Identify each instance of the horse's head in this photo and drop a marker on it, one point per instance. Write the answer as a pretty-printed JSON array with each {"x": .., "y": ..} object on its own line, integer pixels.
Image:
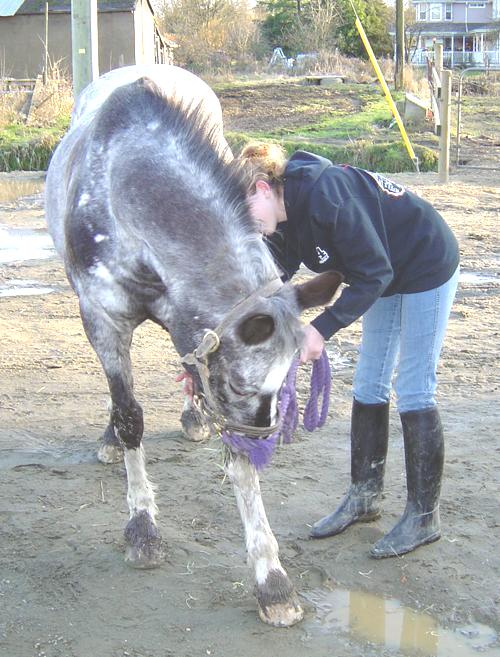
[{"x": 246, "y": 369}]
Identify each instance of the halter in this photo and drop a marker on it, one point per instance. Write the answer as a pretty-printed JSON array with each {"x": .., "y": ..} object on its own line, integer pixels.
[{"x": 209, "y": 344}]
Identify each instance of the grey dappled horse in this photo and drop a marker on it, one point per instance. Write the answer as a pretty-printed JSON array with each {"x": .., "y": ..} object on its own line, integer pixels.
[{"x": 151, "y": 221}]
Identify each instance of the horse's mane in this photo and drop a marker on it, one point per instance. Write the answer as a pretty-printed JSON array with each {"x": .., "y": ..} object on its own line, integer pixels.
[{"x": 142, "y": 102}]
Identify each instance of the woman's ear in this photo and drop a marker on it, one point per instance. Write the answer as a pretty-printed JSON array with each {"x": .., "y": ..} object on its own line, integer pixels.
[
  {"x": 263, "y": 187},
  {"x": 256, "y": 329}
]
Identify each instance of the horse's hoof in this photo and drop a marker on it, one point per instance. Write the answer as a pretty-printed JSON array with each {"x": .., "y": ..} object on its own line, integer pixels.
[
  {"x": 278, "y": 602},
  {"x": 144, "y": 557},
  {"x": 194, "y": 427},
  {"x": 144, "y": 543},
  {"x": 282, "y": 614},
  {"x": 108, "y": 454}
]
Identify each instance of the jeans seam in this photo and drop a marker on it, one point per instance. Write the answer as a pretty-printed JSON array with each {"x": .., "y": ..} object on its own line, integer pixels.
[{"x": 396, "y": 308}]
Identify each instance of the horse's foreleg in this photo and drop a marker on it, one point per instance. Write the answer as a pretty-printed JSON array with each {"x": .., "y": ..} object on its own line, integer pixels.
[
  {"x": 144, "y": 549},
  {"x": 194, "y": 426},
  {"x": 276, "y": 596},
  {"x": 112, "y": 345},
  {"x": 110, "y": 448}
]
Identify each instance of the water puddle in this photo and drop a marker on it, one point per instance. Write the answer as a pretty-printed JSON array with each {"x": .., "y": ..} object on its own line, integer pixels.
[
  {"x": 337, "y": 361},
  {"x": 472, "y": 278},
  {"x": 18, "y": 244},
  {"x": 23, "y": 288},
  {"x": 48, "y": 456},
  {"x": 13, "y": 188},
  {"x": 387, "y": 623}
]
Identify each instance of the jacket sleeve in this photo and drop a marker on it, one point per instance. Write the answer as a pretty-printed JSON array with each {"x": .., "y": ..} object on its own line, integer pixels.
[{"x": 365, "y": 263}]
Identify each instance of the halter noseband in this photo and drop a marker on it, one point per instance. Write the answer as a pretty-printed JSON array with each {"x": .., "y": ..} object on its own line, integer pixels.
[{"x": 211, "y": 343}]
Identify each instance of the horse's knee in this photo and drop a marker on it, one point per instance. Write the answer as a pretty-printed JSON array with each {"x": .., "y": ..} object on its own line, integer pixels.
[
  {"x": 110, "y": 448},
  {"x": 129, "y": 424}
]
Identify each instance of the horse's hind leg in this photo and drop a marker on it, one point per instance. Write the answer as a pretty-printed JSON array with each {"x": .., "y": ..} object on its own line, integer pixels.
[
  {"x": 112, "y": 345},
  {"x": 110, "y": 448}
]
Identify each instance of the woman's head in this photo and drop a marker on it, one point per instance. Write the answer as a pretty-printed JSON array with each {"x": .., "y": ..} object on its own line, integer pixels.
[{"x": 264, "y": 166}]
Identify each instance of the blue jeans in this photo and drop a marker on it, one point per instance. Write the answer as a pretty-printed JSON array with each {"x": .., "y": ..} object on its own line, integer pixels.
[{"x": 411, "y": 326}]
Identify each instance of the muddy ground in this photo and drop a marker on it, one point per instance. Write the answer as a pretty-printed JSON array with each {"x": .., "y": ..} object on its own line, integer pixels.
[{"x": 65, "y": 590}]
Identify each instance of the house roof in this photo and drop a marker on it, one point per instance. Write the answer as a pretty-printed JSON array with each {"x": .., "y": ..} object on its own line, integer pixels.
[
  {"x": 448, "y": 28},
  {"x": 9, "y": 7},
  {"x": 64, "y": 6}
]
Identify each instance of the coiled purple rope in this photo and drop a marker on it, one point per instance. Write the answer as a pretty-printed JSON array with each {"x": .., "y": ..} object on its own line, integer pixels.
[{"x": 260, "y": 451}]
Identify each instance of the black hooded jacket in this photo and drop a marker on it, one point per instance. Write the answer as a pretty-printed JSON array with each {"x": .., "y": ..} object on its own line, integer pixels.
[{"x": 383, "y": 239}]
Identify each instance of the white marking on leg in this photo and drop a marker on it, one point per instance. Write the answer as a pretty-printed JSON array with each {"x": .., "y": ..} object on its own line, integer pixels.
[
  {"x": 262, "y": 547},
  {"x": 140, "y": 495}
]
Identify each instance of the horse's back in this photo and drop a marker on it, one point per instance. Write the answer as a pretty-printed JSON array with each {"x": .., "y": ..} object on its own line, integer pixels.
[{"x": 176, "y": 84}]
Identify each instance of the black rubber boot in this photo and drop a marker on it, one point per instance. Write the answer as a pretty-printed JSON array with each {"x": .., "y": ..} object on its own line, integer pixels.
[
  {"x": 424, "y": 456},
  {"x": 369, "y": 437}
]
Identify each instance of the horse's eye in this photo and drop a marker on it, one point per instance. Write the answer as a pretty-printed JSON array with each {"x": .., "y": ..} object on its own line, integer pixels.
[{"x": 249, "y": 392}]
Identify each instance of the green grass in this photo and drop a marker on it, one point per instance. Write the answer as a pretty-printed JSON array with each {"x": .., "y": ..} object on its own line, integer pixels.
[
  {"x": 25, "y": 148},
  {"x": 372, "y": 115},
  {"x": 385, "y": 157}
]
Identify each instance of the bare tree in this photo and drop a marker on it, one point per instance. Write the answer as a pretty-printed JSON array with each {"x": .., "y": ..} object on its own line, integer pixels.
[{"x": 209, "y": 31}]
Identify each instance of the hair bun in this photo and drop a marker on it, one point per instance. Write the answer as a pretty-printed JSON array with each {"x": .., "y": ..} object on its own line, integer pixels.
[{"x": 266, "y": 159}]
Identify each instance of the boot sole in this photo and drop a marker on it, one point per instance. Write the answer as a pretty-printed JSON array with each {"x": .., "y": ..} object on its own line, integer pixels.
[{"x": 386, "y": 555}]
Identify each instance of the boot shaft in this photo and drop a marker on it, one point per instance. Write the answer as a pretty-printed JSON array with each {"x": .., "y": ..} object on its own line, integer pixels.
[
  {"x": 424, "y": 457},
  {"x": 369, "y": 440}
]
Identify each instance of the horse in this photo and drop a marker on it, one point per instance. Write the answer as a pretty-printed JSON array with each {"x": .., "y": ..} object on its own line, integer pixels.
[{"x": 150, "y": 218}]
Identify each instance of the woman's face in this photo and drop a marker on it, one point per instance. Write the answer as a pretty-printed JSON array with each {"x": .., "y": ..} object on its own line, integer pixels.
[{"x": 266, "y": 207}]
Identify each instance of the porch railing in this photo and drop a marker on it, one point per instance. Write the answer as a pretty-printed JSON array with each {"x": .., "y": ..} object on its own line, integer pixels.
[{"x": 452, "y": 58}]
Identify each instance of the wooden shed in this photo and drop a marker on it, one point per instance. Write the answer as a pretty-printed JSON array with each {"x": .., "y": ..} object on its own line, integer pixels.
[{"x": 128, "y": 33}]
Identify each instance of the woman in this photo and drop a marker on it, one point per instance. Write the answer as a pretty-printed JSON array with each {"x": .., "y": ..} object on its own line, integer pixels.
[{"x": 400, "y": 262}]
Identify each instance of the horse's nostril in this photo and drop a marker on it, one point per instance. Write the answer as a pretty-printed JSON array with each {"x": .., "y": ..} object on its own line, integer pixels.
[{"x": 263, "y": 417}]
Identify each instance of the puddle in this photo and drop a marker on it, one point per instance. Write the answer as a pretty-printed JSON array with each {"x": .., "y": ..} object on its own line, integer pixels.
[
  {"x": 387, "y": 623},
  {"x": 14, "y": 188},
  {"x": 337, "y": 361},
  {"x": 48, "y": 456},
  {"x": 22, "y": 288},
  {"x": 17, "y": 244},
  {"x": 472, "y": 278}
]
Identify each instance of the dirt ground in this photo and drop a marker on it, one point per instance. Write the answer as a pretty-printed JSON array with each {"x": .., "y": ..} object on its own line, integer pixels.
[{"x": 65, "y": 590}]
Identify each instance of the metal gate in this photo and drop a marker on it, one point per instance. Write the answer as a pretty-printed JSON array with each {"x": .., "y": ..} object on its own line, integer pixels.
[{"x": 473, "y": 150}]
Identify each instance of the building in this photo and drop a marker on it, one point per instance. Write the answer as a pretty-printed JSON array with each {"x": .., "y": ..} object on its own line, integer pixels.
[
  {"x": 128, "y": 33},
  {"x": 468, "y": 30}
]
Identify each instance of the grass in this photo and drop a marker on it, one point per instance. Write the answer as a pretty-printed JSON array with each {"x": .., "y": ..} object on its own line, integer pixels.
[
  {"x": 26, "y": 148},
  {"x": 351, "y": 124}
]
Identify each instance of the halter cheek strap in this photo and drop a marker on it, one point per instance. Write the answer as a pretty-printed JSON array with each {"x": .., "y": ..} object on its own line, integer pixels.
[{"x": 211, "y": 343}]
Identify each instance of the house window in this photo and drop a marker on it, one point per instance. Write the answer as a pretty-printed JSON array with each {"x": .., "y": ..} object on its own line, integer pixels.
[
  {"x": 448, "y": 14},
  {"x": 476, "y": 5},
  {"x": 447, "y": 44},
  {"x": 422, "y": 11},
  {"x": 435, "y": 13}
]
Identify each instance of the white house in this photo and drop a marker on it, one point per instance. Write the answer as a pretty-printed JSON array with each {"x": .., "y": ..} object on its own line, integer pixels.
[{"x": 468, "y": 30}]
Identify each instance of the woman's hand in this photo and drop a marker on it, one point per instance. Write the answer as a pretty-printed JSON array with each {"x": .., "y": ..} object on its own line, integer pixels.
[{"x": 312, "y": 346}]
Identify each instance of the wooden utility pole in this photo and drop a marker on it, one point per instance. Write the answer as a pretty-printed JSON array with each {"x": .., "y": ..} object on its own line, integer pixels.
[
  {"x": 84, "y": 43},
  {"x": 400, "y": 46},
  {"x": 46, "y": 65}
]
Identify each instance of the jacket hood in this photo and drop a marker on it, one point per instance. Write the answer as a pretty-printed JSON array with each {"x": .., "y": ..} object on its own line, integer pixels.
[{"x": 302, "y": 171}]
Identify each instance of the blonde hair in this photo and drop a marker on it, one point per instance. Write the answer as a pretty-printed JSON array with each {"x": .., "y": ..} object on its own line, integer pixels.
[{"x": 263, "y": 161}]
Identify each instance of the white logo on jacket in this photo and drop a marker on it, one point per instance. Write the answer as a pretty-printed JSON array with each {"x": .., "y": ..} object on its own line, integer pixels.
[
  {"x": 386, "y": 185},
  {"x": 322, "y": 255}
]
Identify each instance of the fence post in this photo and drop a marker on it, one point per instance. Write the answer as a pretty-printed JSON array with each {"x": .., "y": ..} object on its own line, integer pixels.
[
  {"x": 444, "y": 138},
  {"x": 438, "y": 58}
]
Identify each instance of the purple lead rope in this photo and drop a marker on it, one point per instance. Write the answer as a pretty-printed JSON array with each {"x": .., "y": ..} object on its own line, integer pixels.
[{"x": 260, "y": 451}]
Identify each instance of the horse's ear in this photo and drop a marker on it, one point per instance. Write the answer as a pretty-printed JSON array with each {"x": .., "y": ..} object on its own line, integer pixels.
[
  {"x": 256, "y": 329},
  {"x": 319, "y": 290}
]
